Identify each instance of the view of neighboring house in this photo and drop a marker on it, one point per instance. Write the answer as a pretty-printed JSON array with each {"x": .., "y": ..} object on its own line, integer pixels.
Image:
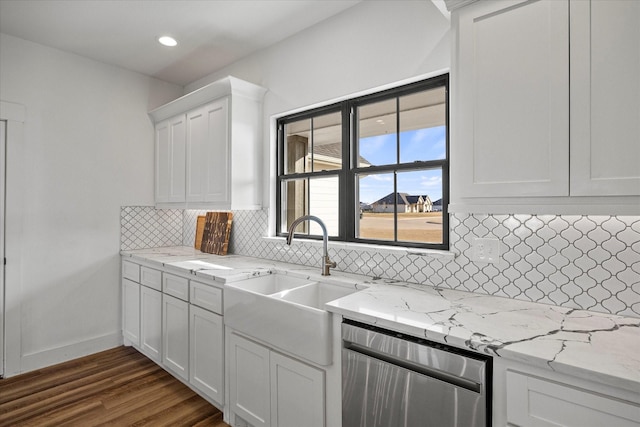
[
  {"x": 437, "y": 206},
  {"x": 406, "y": 203}
]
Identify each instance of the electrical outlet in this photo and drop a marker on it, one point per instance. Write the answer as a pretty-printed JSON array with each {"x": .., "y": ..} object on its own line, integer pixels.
[{"x": 486, "y": 249}]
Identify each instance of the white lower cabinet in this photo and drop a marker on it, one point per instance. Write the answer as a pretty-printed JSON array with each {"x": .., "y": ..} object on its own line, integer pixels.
[
  {"x": 534, "y": 401},
  {"x": 131, "y": 312},
  {"x": 297, "y": 393},
  {"x": 175, "y": 336},
  {"x": 270, "y": 389},
  {"x": 528, "y": 396},
  {"x": 206, "y": 353},
  {"x": 151, "y": 323},
  {"x": 176, "y": 322},
  {"x": 249, "y": 381}
]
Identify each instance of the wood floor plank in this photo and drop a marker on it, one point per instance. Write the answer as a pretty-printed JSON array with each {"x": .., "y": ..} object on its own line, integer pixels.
[{"x": 117, "y": 387}]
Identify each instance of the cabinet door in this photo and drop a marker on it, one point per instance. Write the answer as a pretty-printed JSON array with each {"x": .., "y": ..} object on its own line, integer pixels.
[
  {"x": 535, "y": 402},
  {"x": 208, "y": 153},
  {"x": 170, "y": 160},
  {"x": 131, "y": 312},
  {"x": 510, "y": 124},
  {"x": 206, "y": 353},
  {"x": 297, "y": 393},
  {"x": 151, "y": 323},
  {"x": 605, "y": 98},
  {"x": 175, "y": 336},
  {"x": 249, "y": 381}
]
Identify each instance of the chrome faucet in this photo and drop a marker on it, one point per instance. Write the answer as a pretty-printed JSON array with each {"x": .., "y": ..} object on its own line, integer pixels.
[{"x": 326, "y": 262}]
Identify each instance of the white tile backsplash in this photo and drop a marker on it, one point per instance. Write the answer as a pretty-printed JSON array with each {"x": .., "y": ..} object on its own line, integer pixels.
[{"x": 587, "y": 262}]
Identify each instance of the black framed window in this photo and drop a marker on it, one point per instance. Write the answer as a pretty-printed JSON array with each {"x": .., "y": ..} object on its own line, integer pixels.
[{"x": 375, "y": 168}]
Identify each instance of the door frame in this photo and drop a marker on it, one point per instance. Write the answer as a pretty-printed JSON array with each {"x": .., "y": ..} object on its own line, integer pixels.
[{"x": 13, "y": 116}]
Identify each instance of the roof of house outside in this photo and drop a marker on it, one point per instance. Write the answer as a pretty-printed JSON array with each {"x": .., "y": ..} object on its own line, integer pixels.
[
  {"x": 401, "y": 198},
  {"x": 334, "y": 150}
]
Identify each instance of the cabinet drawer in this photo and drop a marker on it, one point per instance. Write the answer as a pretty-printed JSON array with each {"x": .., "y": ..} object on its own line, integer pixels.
[
  {"x": 175, "y": 286},
  {"x": 533, "y": 401},
  {"x": 151, "y": 278},
  {"x": 131, "y": 271},
  {"x": 206, "y": 296}
]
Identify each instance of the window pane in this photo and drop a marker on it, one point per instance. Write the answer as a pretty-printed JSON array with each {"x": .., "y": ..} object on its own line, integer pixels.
[
  {"x": 377, "y": 133},
  {"x": 418, "y": 220},
  {"x": 323, "y": 203},
  {"x": 294, "y": 203},
  {"x": 376, "y": 219},
  {"x": 423, "y": 126},
  {"x": 327, "y": 142},
  {"x": 297, "y": 145},
  {"x": 320, "y": 200}
]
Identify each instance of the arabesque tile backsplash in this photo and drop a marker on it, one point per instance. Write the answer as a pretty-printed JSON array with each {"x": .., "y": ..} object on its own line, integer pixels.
[{"x": 587, "y": 262}]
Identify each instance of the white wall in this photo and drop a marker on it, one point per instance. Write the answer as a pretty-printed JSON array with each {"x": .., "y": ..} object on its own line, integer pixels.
[
  {"x": 87, "y": 149},
  {"x": 372, "y": 44}
]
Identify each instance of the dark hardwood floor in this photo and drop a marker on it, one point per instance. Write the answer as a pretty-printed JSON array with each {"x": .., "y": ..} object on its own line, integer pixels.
[{"x": 117, "y": 387}]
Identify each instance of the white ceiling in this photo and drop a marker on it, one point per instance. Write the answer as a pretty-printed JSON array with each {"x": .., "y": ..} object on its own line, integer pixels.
[{"x": 211, "y": 33}]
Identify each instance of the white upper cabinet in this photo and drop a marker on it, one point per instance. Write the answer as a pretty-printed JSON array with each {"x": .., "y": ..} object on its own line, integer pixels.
[
  {"x": 170, "y": 160},
  {"x": 208, "y": 153},
  {"x": 510, "y": 130},
  {"x": 546, "y": 107},
  {"x": 605, "y": 98},
  {"x": 208, "y": 150}
]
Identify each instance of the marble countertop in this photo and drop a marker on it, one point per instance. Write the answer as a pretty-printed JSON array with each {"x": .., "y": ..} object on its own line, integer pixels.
[{"x": 590, "y": 345}]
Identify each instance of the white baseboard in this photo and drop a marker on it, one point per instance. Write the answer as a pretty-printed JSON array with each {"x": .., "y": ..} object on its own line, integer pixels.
[{"x": 42, "y": 359}]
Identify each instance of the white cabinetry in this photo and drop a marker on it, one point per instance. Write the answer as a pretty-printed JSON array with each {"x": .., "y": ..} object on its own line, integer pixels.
[
  {"x": 533, "y": 401},
  {"x": 526, "y": 396},
  {"x": 131, "y": 312},
  {"x": 175, "y": 336},
  {"x": 151, "y": 313},
  {"x": 540, "y": 125},
  {"x": 206, "y": 341},
  {"x": 605, "y": 98},
  {"x": 151, "y": 323},
  {"x": 269, "y": 389},
  {"x": 297, "y": 393},
  {"x": 208, "y": 150},
  {"x": 177, "y": 323},
  {"x": 511, "y": 127},
  {"x": 249, "y": 385},
  {"x": 208, "y": 154},
  {"x": 170, "y": 160}
]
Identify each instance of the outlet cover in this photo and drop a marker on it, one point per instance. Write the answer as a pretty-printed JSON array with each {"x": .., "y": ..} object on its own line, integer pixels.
[{"x": 486, "y": 249}]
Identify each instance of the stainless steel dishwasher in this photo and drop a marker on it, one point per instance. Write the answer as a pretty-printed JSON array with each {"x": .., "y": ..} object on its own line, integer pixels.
[{"x": 392, "y": 380}]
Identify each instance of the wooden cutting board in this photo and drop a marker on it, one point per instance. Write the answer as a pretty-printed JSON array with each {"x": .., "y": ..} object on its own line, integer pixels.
[
  {"x": 199, "y": 231},
  {"x": 217, "y": 229}
]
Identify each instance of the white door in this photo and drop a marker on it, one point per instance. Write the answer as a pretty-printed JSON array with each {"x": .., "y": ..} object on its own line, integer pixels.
[
  {"x": 170, "y": 160},
  {"x": 175, "y": 336},
  {"x": 206, "y": 355},
  {"x": 249, "y": 381},
  {"x": 208, "y": 153},
  {"x": 605, "y": 98},
  {"x": 511, "y": 136},
  {"x": 151, "y": 323},
  {"x": 297, "y": 393},
  {"x": 131, "y": 312},
  {"x": 3, "y": 131}
]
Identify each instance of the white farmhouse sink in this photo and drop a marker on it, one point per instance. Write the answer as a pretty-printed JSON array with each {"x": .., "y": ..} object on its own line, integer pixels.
[
  {"x": 285, "y": 312},
  {"x": 314, "y": 295},
  {"x": 271, "y": 284}
]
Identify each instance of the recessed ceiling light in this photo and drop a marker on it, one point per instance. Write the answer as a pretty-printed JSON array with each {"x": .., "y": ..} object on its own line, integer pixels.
[{"x": 167, "y": 41}]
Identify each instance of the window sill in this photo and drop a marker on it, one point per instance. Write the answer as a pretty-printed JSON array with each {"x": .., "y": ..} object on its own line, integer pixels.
[{"x": 396, "y": 250}]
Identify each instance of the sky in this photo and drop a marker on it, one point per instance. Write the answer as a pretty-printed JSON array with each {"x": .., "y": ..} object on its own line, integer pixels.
[{"x": 422, "y": 144}]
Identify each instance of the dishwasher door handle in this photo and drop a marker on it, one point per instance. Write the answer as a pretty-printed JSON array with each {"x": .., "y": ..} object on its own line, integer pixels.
[{"x": 414, "y": 367}]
